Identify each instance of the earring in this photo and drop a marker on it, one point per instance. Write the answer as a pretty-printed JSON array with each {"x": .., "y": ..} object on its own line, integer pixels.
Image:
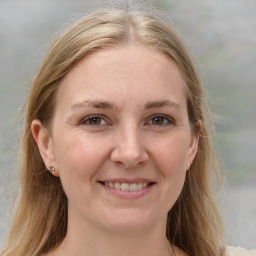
[
  {"x": 51, "y": 168},
  {"x": 188, "y": 167}
]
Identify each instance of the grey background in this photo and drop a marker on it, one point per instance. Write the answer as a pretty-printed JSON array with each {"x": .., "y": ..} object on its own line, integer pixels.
[{"x": 221, "y": 34}]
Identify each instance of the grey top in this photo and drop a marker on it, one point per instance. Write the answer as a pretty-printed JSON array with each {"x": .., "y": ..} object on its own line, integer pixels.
[{"x": 238, "y": 251}]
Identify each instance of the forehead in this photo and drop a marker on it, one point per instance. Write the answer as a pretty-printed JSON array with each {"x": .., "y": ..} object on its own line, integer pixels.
[{"x": 129, "y": 71}]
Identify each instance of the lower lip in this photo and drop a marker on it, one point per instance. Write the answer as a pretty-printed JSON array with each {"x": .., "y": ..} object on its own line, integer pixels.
[{"x": 129, "y": 194}]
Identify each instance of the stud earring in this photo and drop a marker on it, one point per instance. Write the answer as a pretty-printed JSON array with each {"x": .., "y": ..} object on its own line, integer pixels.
[{"x": 51, "y": 168}]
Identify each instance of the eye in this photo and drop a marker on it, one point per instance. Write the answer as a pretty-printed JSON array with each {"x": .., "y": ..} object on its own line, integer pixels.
[
  {"x": 160, "y": 120},
  {"x": 93, "y": 120}
]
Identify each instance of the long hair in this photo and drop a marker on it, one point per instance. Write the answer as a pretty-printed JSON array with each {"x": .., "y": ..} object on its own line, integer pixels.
[{"x": 40, "y": 219}]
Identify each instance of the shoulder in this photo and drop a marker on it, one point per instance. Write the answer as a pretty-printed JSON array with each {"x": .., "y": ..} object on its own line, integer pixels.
[{"x": 238, "y": 251}]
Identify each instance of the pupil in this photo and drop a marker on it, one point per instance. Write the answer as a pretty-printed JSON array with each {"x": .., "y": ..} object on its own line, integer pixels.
[
  {"x": 158, "y": 120},
  {"x": 94, "y": 120}
]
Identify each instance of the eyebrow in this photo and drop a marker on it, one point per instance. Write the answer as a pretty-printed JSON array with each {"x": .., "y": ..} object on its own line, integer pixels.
[
  {"x": 163, "y": 103},
  {"x": 95, "y": 104},
  {"x": 107, "y": 105}
]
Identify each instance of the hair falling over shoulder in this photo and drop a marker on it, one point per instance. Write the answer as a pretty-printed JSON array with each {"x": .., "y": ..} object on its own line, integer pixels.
[{"x": 40, "y": 218}]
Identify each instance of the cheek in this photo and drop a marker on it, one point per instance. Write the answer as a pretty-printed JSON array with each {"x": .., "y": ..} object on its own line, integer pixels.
[
  {"x": 173, "y": 174},
  {"x": 173, "y": 161},
  {"x": 170, "y": 160},
  {"x": 79, "y": 157},
  {"x": 172, "y": 166},
  {"x": 170, "y": 154},
  {"x": 78, "y": 165}
]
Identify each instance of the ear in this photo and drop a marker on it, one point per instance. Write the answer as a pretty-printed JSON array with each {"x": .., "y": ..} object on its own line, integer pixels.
[
  {"x": 193, "y": 144},
  {"x": 45, "y": 144}
]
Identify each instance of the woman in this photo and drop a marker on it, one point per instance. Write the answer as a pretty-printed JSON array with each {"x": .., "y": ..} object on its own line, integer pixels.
[{"x": 115, "y": 157}]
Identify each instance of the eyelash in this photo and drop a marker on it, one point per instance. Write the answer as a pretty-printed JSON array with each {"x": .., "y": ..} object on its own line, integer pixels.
[
  {"x": 166, "y": 120},
  {"x": 86, "y": 120}
]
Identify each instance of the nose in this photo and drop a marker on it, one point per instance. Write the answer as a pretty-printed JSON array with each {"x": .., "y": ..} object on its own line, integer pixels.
[{"x": 129, "y": 149}]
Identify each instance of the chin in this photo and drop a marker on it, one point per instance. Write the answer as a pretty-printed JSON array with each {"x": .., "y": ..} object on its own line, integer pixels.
[{"x": 130, "y": 221}]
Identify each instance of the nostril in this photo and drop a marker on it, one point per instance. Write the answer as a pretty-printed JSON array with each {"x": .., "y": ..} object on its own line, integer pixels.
[{"x": 129, "y": 155}]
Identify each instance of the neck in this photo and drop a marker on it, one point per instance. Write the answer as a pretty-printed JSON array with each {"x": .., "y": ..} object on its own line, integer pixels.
[{"x": 88, "y": 240}]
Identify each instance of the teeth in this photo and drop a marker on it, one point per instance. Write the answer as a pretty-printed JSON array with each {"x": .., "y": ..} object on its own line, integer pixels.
[
  {"x": 127, "y": 186},
  {"x": 133, "y": 187},
  {"x": 140, "y": 186},
  {"x": 124, "y": 187},
  {"x": 117, "y": 185}
]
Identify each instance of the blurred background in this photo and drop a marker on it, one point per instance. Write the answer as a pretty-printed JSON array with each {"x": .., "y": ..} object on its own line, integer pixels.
[{"x": 221, "y": 35}]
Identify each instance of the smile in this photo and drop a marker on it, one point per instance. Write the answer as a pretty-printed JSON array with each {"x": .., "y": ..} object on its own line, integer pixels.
[{"x": 127, "y": 186}]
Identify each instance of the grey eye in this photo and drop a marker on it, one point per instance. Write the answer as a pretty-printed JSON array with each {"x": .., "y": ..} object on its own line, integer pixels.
[
  {"x": 94, "y": 120},
  {"x": 160, "y": 120}
]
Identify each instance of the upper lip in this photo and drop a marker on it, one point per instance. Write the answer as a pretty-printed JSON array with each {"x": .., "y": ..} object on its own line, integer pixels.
[{"x": 127, "y": 180}]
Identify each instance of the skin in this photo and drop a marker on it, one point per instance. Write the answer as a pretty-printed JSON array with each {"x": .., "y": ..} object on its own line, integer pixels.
[{"x": 120, "y": 114}]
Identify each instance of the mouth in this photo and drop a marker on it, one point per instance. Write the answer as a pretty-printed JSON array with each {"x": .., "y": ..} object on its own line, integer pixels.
[{"x": 125, "y": 186}]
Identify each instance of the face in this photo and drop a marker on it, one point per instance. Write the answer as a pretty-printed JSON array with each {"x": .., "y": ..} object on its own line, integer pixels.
[{"x": 120, "y": 140}]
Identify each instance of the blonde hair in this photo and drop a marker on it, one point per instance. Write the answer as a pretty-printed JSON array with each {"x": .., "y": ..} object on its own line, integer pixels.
[{"x": 40, "y": 219}]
